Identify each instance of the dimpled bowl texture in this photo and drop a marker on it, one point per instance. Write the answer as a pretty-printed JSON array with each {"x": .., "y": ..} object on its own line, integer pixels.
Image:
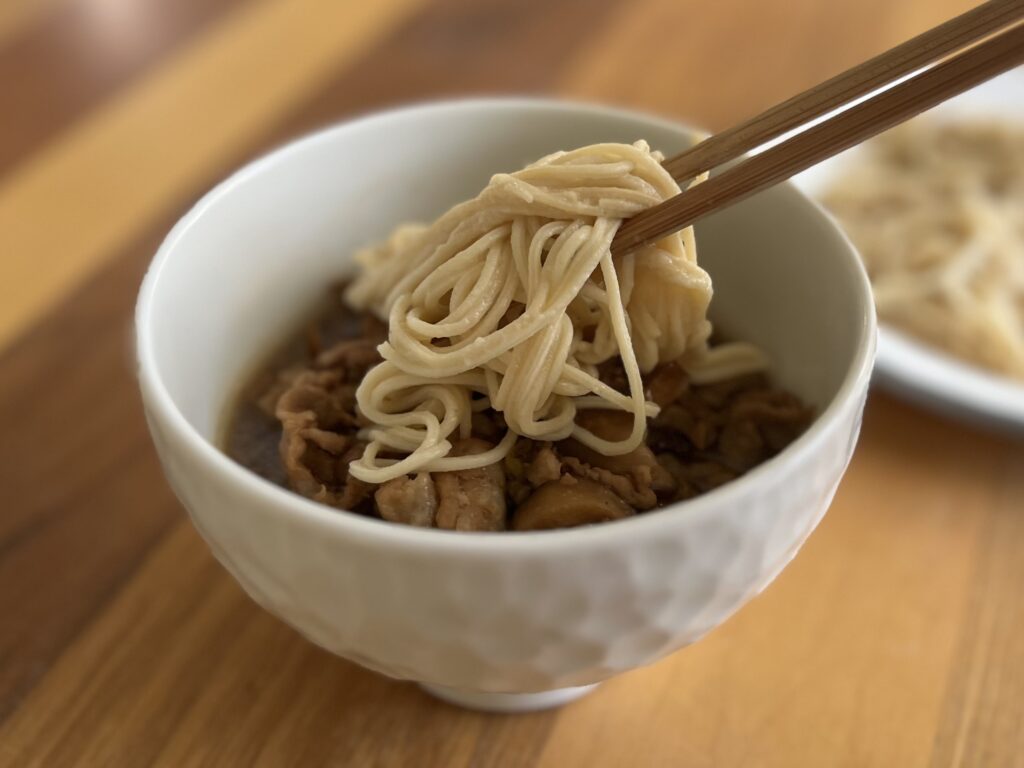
[{"x": 479, "y": 615}]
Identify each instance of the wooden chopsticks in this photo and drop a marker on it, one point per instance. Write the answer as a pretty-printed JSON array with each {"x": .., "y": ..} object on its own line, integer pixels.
[
  {"x": 883, "y": 69},
  {"x": 839, "y": 132}
]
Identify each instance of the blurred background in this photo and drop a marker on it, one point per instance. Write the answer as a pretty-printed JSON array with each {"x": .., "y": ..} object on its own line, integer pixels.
[
  {"x": 118, "y": 113},
  {"x": 894, "y": 639}
]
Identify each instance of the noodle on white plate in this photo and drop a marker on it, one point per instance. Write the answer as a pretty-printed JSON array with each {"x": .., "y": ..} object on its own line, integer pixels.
[
  {"x": 512, "y": 300},
  {"x": 937, "y": 212}
]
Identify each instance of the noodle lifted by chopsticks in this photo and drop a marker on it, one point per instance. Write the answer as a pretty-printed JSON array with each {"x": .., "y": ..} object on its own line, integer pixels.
[{"x": 511, "y": 300}]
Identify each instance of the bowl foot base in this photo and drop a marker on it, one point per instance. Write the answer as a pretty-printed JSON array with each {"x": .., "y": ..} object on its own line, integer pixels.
[{"x": 508, "y": 702}]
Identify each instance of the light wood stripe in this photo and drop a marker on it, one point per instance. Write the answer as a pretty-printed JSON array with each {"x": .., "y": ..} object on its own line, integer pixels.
[
  {"x": 818, "y": 41},
  {"x": 109, "y": 653},
  {"x": 103, "y": 184},
  {"x": 73, "y": 59}
]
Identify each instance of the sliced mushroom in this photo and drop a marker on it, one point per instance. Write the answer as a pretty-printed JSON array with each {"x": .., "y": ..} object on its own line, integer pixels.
[
  {"x": 694, "y": 424},
  {"x": 780, "y": 416},
  {"x": 639, "y": 464},
  {"x": 741, "y": 446},
  {"x": 471, "y": 499},
  {"x": 353, "y": 357},
  {"x": 567, "y": 503},
  {"x": 667, "y": 384},
  {"x": 545, "y": 467},
  {"x": 684, "y": 488},
  {"x": 635, "y": 488},
  {"x": 409, "y": 500}
]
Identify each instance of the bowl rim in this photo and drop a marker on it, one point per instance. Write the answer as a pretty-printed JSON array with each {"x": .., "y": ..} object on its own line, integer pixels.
[{"x": 383, "y": 533}]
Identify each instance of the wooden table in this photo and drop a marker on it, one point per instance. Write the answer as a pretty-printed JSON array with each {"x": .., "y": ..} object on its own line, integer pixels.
[{"x": 896, "y": 638}]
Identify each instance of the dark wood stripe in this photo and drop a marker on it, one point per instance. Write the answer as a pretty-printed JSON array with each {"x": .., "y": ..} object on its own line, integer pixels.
[
  {"x": 75, "y": 461},
  {"x": 81, "y": 510},
  {"x": 194, "y": 605},
  {"x": 461, "y": 47},
  {"x": 982, "y": 720},
  {"x": 75, "y": 57},
  {"x": 513, "y": 735}
]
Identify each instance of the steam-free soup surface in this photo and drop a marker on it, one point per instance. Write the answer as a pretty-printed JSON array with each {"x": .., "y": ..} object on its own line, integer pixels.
[{"x": 296, "y": 424}]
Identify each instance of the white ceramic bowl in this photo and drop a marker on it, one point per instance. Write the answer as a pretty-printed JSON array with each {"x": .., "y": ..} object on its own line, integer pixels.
[{"x": 477, "y": 617}]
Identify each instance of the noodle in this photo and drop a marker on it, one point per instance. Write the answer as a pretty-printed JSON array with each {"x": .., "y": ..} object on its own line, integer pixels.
[
  {"x": 937, "y": 212},
  {"x": 512, "y": 300}
]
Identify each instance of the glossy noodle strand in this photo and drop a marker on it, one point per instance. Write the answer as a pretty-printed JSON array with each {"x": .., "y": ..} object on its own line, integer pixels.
[{"x": 512, "y": 300}]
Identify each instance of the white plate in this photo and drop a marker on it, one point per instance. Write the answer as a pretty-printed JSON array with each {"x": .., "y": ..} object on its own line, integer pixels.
[{"x": 915, "y": 370}]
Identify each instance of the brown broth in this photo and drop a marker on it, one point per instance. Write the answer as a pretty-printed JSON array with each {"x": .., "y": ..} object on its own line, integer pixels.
[
  {"x": 252, "y": 435},
  {"x": 705, "y": 436}
]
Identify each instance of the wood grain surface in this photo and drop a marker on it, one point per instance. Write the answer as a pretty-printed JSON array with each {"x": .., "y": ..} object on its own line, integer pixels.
[{"x": 896, "y": 637}]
